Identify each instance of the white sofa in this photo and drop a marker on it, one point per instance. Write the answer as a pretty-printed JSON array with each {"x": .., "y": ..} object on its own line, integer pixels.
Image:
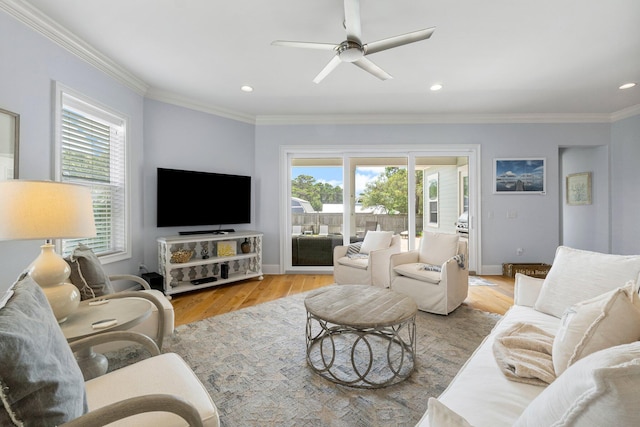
[{"x": 598, "y": 388}]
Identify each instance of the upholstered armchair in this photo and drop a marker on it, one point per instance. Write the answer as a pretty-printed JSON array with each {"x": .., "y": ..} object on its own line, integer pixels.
[
  {"x": 366, "y": 262},
  {"x": 436, "y": 275},
  {"x": 90, "y": 278},
  {"x": 42, "y": 384}
]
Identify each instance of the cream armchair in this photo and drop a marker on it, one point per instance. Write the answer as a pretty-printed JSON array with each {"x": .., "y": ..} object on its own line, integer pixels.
[
  {"x": 366, "y": 263},
  {"x": 436, "y": 275},
  {"x": 90, "y": 278},
  {"x": 42, "y": 384}
]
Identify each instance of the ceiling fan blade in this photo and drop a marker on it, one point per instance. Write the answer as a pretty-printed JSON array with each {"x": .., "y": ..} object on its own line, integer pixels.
[
  {"x": 352, "y": 20},
  {"x": 396, "y": 41},
  {"x": 372, "y": 68},
  {"x": 305, "y": 45},
  {"x": 327, "y": 69}
]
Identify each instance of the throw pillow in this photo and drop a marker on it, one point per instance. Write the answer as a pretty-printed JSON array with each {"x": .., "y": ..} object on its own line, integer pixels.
[
  {"x": 354, "y": 248},
  {"x": 438, "y": 248},
  {"x": 605, "y": 321},
  {"x": 439, "y": 415},
  {"x": 40, "y": 381},
  {"x": 577, "y": 275},
  {"x": 375, "y": 240},
  {"x": 87, "y": 273},
  {"x": 599, "y": 390}
]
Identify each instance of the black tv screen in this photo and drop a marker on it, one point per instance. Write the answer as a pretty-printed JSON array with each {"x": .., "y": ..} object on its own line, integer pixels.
[{"x": 187, "y": 198}]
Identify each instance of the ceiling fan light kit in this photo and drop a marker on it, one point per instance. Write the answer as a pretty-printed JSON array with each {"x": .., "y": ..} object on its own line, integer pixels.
[{"x": 352, "y": 50}]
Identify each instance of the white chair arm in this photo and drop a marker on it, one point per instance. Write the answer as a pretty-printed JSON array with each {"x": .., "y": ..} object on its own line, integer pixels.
[
  {"x": 139, "y": 280},
  {"x": 526, "y": 290},
  {"x": 339, "y": 252},
  {"x": 379, "y": 264},
  {"x": 137, "y": 405},
  {"x": 106, "y": 337}
]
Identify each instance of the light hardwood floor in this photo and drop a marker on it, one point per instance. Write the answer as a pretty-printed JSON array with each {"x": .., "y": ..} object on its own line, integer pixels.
[{"x": 199, "y": 304}]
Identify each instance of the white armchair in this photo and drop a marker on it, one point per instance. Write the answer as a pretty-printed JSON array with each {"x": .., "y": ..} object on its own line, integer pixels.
[
  {"x": 366, "y": 263},
  {"x": 436, "y": 275},
  {"x": 43, "y": 385},
  {"x": 90, "y": 278}
]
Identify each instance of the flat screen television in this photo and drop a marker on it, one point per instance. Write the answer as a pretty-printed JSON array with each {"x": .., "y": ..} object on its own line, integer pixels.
[{"x": 188, "y": 198}]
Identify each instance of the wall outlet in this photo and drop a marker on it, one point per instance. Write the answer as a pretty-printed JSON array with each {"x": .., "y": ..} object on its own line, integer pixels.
[{"x": 519, "y": 251}]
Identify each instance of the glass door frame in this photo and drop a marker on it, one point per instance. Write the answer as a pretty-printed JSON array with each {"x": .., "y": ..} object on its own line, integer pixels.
[{"x": 472, "y": 151}]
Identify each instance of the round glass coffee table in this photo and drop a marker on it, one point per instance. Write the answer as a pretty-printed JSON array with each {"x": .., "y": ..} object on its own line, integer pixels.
[{"x": 360, "y": 335}]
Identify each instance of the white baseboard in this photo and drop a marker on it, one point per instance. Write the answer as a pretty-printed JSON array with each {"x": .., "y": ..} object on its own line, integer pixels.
[{"x": 492, "y": 270}]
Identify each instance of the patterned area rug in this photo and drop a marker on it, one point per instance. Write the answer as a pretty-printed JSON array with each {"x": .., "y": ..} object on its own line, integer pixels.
[
  {"x": 253, "y": 362},
  {"x": 480, "y": 281}
]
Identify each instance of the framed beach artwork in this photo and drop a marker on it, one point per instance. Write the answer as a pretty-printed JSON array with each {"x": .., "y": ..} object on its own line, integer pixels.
[
  {"x": 579, "y": 189},
  {"x": 519, "y": 176}
]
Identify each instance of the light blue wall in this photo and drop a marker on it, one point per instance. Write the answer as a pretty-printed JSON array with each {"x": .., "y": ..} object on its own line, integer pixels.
[
  {"x": 29, "y": 64},
  {"x": 179, "y": 138},
  {"x": 586, "y": 226},
  {"x": 536, "y": 228},
  {"x": 625, "y": 186},
  {"x": 170, "y": 136}
]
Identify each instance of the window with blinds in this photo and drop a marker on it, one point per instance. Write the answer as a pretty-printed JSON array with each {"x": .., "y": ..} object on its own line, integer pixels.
[{"x": 92, "y": 152}]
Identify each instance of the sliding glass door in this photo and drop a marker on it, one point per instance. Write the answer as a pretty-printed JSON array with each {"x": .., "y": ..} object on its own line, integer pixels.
[{"x": 336, "y": 197}]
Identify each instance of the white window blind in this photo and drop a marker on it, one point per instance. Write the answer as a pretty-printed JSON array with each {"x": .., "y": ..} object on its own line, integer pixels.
[{"x": 92, "y": 144}]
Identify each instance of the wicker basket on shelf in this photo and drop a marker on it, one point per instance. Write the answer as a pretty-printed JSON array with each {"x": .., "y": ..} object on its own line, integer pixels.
[{"x": 181, "y": 255}]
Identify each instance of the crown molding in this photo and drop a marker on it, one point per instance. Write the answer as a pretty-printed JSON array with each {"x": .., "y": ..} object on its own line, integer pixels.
[
  {"x": 625, "y": 113},
  {"x": 182, "y": 101},
  {"x": 33, "y": 18},
  {"x": 354, "y": 119}
]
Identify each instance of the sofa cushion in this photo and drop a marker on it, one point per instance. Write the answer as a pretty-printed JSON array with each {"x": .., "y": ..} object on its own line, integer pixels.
[
  {"x": 604, "y": 321},
  {"x": 417, "y": 271},
  {"x": 440, "y": 415},
  {"x": 437, "y": 248},
  {"x": 577, "y": 275},
  {"x": 87, "y": 273},
  {"x": 375, "y": 240},
  {"x": 598, "y": 390},
  {"x": 40, "y": 381}
]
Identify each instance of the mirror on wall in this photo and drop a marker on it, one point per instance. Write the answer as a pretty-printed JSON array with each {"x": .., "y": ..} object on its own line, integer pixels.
[{"x": 9, "y": 138}]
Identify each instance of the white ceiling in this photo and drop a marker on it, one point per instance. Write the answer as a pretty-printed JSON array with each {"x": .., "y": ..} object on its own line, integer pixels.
[{"x": 495, "y": 58}]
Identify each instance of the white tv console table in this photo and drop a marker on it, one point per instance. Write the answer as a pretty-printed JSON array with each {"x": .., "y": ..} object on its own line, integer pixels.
[{"x": 206, "y": 263}]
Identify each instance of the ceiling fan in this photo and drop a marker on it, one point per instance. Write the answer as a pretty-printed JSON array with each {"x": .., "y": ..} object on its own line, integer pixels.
[{"x": 352, "y": 50}]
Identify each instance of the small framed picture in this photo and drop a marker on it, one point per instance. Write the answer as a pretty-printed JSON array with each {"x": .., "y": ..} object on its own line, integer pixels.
[
  {"x": 519, "y": 176},
  {"x": 579, "y": 189}
]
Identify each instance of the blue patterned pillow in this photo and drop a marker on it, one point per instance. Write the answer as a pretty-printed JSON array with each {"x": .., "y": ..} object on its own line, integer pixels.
[{"x": 40, "y": 381}]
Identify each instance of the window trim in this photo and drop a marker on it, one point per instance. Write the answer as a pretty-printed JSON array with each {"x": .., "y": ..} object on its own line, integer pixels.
[{"x": 103, "y": 110}]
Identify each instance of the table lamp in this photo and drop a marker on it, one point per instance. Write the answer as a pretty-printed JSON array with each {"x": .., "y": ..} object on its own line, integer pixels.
[{"x": 48, "y": 210}]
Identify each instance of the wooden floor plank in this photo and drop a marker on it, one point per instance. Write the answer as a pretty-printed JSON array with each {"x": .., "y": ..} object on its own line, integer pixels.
[{"x": 202, "y": 303}]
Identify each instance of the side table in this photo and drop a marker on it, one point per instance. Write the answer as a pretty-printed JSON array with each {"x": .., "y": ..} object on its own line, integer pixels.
[{"x": 127, "y": 313}]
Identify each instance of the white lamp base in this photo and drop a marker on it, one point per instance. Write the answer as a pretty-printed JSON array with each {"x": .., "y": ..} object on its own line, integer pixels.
[
  {"x": 63, "y": 299},
  {"x": 51, "y": 272}
]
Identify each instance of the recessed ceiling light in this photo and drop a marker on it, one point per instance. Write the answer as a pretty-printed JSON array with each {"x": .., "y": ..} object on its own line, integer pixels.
[
  {"x": 436, "y": 86},
  {"x": 627, "y": 86},
  {"x": 246, "y": 88}
]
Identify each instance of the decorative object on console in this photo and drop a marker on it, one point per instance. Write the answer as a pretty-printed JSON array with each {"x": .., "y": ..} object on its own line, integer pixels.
[
  {"x": 227, "y": 248},
  {"x": 245, "y": 246},
  {"x": 181, "y": 255},
  {"x": 48, "y": 210}
]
